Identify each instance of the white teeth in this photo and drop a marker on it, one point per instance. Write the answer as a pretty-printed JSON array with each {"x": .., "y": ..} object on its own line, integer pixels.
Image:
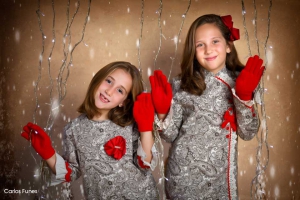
[{"x": 104, "y": 98}]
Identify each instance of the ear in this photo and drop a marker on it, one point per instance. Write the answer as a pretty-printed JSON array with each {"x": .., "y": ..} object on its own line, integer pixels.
[
  {"x": 228, "y": 47},
  {"x": 126, "y": 101}
]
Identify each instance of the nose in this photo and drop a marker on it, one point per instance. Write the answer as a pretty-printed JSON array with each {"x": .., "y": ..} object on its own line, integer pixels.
[
  {"x": 108, "y": 91},
  {"x": 208, "y": 49}
]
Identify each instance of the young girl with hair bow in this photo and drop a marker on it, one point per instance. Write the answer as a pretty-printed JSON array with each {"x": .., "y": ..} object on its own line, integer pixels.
[
  {"x": 212, "y": 105},
  {"x": 103, "y": 143}
]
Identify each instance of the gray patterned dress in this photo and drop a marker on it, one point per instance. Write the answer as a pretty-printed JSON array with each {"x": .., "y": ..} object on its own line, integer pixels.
[
  {"x": 202, "y": 161},
  {"x": 103, "y": 176}
]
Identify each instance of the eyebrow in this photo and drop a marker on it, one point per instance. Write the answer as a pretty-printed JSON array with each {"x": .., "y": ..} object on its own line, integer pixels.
[
  {"x": 121, "y": 85},
  {"x": 210, "y": 38}
]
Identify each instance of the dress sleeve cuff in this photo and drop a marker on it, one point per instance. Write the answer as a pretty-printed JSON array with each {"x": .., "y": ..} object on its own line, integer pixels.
[
  {"x": 142, "y": 154},
  {"x": 163, "y": 124},
  {"x": 61, "y": 171},
  {"x": 248, "y": 103}
]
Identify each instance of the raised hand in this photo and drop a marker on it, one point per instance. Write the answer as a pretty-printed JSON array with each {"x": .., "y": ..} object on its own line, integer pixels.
[
  {"x": 39, "y": 139},
  {"x": 249, "y": 78},
  {"x": 143, "y": 112},
  {"x": 161, "y": 92}
]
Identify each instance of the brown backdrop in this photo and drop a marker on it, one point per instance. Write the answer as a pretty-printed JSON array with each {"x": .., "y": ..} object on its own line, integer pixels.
[{"x": 112, "y": 33}]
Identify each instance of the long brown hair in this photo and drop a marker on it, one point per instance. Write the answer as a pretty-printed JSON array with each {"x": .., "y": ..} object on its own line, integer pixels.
[
  {"x": 192, "y": 77},
  {"x": 122, "y": 116}
]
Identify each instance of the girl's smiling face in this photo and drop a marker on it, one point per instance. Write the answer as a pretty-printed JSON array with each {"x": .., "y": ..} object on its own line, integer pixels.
[
  {"x": 211, "y": 47},
  {"x": 112, "y": 92}
]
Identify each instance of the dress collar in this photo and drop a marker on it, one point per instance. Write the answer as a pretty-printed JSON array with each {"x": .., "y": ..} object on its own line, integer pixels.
[{"x": 209, "y": 74}]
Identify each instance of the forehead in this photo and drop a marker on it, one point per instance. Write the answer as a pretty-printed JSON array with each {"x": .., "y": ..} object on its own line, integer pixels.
[
  {"x": 122, "y": 78},
  {"x": 208, "y": 30}
]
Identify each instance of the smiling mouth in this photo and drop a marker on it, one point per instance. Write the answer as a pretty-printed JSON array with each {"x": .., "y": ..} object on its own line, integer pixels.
[
  {"x": 103, "y": 98},
  {"x": 211, "y": 58}
]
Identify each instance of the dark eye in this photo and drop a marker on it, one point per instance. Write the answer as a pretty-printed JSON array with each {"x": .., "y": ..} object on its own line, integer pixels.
[
  {"x": 199, "y": 45},
  {"x": 120, "y": 91},
  {"x": 108, "y": 81},
  {"x": 215, "y": 41}
]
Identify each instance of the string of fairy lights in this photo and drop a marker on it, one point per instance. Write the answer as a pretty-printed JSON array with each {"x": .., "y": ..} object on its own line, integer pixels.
[
  {"x": 67, "y": 62},
  {"x": 257, "y": 190},
  {"x": 177, "y": 40},
  {"x": 159, "y": 12},
  {"x": 61, "y": 78},
  {"x": 158, "y": 141}
]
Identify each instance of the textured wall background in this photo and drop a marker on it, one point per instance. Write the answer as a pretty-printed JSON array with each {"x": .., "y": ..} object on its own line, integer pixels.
[{"x": 112, "y": 33}]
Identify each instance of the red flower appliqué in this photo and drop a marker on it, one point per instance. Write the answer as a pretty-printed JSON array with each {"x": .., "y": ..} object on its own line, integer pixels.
[
  {"x": 116, "y": 147},
  {"x": 229, "y": 117}
]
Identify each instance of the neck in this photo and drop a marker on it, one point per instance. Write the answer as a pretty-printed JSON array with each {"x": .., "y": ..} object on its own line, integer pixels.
[{"x": 100, "y": 117}]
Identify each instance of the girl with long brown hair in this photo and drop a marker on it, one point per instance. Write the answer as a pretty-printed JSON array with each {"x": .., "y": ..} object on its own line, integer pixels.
[
  {"x": 103, "y": 144},
  {"x": 212, "y": 105}
]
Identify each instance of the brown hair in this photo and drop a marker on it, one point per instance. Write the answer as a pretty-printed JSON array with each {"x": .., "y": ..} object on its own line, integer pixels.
[
  {"x": 122, "y": 116},
  {"x": 192, "y": 77}
]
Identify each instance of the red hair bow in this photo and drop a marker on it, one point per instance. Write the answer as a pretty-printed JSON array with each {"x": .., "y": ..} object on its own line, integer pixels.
[
  {"x": 116, "y": 147},
  {"x": 234, "y": 32},
  {"x": 229, "y": 118}
]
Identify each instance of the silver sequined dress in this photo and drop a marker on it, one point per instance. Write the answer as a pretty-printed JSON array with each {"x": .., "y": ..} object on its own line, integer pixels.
[
  {"x": 202, "y": 161},
  {"x": 103, "y": 176}
]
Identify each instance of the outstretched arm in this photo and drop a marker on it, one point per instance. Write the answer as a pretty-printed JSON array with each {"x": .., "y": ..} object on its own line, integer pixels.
[
  {"x": 41, "y": 142},
  {"x": 161, "y": 92}
]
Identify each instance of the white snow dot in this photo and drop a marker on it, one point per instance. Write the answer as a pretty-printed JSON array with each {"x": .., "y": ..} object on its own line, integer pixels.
[
  {"x": 70, "y": 48},
  {"x": 251, "y": 160},
  {"x": 149, "y": 71},
  {"x": 81, "y": 189},
  {"x": 126, "y": 31},
  {"x": 292, "y": 170},
  {"x": 175, "y": 39},
  {"x": 92, "y": 53},
  {"x": 276, "y": 191},
  {"x": 17, "y": 36},
  {"x": 128, "y": 10},
  {"x": 272, "y": 171},
  {"x": 277, "y": 77}
]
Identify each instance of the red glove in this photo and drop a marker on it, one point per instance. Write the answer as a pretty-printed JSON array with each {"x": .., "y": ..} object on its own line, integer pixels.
[
  {"x": 39, "y": 140},
  {"x": 249, "y": 78},
  {"x": 143, "y": 112},
  {"x": 161, "y": 92}
]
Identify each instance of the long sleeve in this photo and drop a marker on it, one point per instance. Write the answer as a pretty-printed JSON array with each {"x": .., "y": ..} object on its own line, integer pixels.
[
  {"x": 69, "y": 157},
  {"x": 247, "y": 118},
  {"x": 170, "y": 126},
  {"x": 70, "y": 151},
  {"x": 139, "y": 154},
  {"x": 61, "y": 171}
]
